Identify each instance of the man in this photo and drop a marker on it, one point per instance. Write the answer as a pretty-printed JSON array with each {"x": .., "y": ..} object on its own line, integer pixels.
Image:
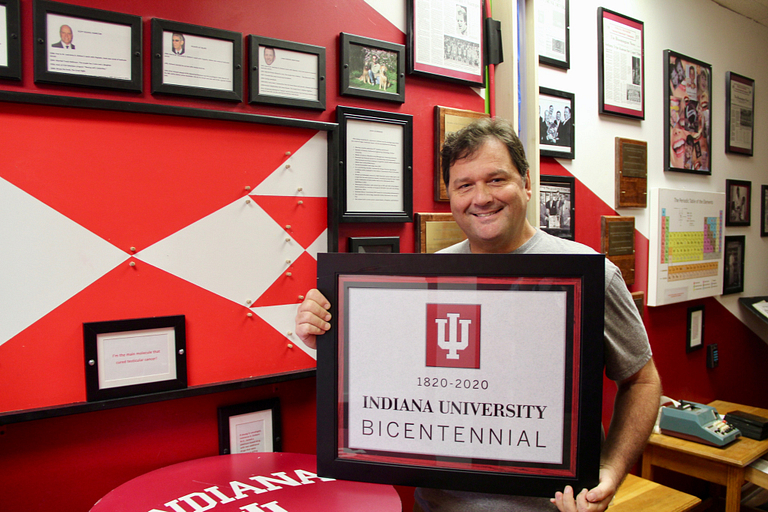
[
  {"x": 373, "y": 73},
  {"x": 178, "y": 43},
  {"x": 65, "y": 33},
  {"x": 269, "y": 55},
  {"x": 486, "y": 175},
  {"x": 564, "y": 130}
]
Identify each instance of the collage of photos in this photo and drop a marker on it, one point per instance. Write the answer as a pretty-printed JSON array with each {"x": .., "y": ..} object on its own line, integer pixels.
[{"x": 690, "y": 134}]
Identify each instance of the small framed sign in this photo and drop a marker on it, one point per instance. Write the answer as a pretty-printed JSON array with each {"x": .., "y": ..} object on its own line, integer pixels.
[
  {"x": 695, "y": 339},
  {"x": 253, "y": 427},
  {"x": 10, "y": 40},
  {"x": 379, "y": 244}
]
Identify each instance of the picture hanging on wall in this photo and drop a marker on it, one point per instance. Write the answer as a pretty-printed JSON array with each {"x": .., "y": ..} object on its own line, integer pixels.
[
  {"x": 253, "y": 427},
  {"x": 620, "y": 65},
  {"x": 739, "y": 114},
  {"x": 190, "y": 60},
  {"x": 371, "y": 68},
  {"x": 10, "y": 40},
  {"x": 557, "y": 196},
  {"x": 553, "y": 41},
  {"x": 764, "y": 210},
  {"x": 738, "y": 196},
  {"x": 695, "y": 339},
  {"x": 687, "y": 132},
  {"x": 378, "y": 244},
  {"x": 733, "y": 278},
  {"x": 557, "y": 118}
]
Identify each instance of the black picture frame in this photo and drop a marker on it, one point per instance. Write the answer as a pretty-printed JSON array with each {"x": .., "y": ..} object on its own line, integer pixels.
[
  {"x": 695, "y": 330},
  {"x": 733, "y": 268},
  {"x": 257, "y": 47},
  {"x": 558, "y": 217},
  {"x": 764, "y": 210},
  {"x": 555, "y": 34},
  {"x": 463, "y": 46},
  {"x": 350, "y": 170},
  {"x": 738, "y": 198},
  {"x": 374, "y": 244},
  {"x": 343, "y": 382},
  {"x": 621, "y": 90},
  {"x": 132, "y": 50},
  {"x": 739, "y": 114},
  {"x": 357, "y": 60},
  {"x": 557, "y": 139},
  {"x": 687, "y": 114},
  {"x": 12, "y": 69},
  {"x": 160, "y": 27},
  {"x": 266, "y": 411},
  {"x": 106, "y": 356}
]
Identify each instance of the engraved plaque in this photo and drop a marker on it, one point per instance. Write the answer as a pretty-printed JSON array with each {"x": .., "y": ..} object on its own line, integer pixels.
[
  {"x": 621, "y": 238},
  {"x": 617, "y": 242},
  {"x": 435, "y": 231},
  {"x": 631, "y": 173}
]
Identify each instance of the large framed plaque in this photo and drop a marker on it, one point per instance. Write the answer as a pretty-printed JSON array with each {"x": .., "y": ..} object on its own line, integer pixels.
[{"x": 462, "y": 371}]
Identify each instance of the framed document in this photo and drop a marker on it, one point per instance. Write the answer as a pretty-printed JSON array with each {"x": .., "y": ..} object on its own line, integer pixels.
[
  {"x": 377, "y": 244},
  {"x": 432, "y": 374},
  {"x": 738, "y": 197},
  {"x": 190, "y": 60},
  {"x": 739, "y": 114},
  {"x": 447, "y": 121},
  {"x": 371, "y": 68},
  {"x": 620, "y": 65},
  {"x": 733, "y": 278},
  {"x": 557, "y": 206},
  {"x": 134, "y": 357},
  {"x": 82, "y": 46},
  {"x": 557, "y": 118},
  {"x": 286, "y": 73},
  {"x": 687, "y": 108},
  {"x": 376, "y": 183},
  {"x": 446, "y": 40},
  {"x": 253, "y": 427},
  {"x": 553, "y": 42},
  {"x": 695, "y": 339},
  {"x": 10, "y": 40}
]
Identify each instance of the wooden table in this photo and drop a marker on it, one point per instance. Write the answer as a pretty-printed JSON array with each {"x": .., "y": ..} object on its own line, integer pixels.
[
  {"x": 726, "y": 466},
  {"x": 638, "y": 493}
]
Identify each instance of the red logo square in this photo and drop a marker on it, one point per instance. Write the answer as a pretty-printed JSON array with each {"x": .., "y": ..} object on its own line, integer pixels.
[{"x": 453, "y": 335}]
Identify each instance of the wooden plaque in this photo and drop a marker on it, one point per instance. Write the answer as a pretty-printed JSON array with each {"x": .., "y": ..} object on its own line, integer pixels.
[
  {"x": 617, "y": 242},
  {"x": 447, "y": 121},
  {"x": 435, "y": 231},
  {"x": 631, "y": 173}
]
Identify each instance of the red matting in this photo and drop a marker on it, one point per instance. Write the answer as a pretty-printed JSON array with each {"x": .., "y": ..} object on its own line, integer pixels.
[{"x": 253, "y": 482}]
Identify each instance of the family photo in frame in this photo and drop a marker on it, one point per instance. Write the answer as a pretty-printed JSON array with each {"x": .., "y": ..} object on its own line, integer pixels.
[{"x": 372, "y": 69}]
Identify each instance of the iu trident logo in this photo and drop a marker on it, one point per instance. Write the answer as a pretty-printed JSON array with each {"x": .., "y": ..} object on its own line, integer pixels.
[{"x": 453, "y": 335}]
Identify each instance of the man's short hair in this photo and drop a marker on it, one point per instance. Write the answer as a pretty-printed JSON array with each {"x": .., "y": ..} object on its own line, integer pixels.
[{"x": 467, "y": 141}]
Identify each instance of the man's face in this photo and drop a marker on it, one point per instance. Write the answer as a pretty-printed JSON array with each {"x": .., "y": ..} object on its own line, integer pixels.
[
  {"x": 558, "y": 116},
  {"x": 567, "y": 113},
  {"x": 461, "y": 19},
  {"x": 176, "y": 43},
  {"x": 488, "y": 199},
  {"x": 269, "y": 55},
  {"x": 66, "y": 34}
]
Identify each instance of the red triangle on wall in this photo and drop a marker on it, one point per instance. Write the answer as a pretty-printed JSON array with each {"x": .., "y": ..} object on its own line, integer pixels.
[
  {"x": 287, "y": 288},
  {"x": 306, "y": 216}
]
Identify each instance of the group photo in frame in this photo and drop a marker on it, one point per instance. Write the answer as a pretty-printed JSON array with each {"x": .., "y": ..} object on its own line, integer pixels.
[
  {"x": 88, "y": 47},
  {"x": 687, "y": 114},
  {"x": 374, "y": 244},
  {"x": 553, "y": 39},
  {"x": 447, "y": 121},
  {"x": 252, "y": 427},
  {"x": 557, "y": 118},
  {"x": 286, "y": 73},
  {"x": 372, "y": 68},
  {"x": 10, "y": 40},
  {"x": 739, "y": 114},
  {"x": 733, "y": 270},
  {"x": 451, "y": 40},
  {"x": 557, "y": 199},
  {"x": 620, "y": 65},
  {"x": 190, "y": 60},
  {"x": 738, "y": 197}
]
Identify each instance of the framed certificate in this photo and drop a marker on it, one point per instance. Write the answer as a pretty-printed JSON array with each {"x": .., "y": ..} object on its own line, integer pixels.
[
  {"x": 10, "y": 40},
  {"x": 253, "y": 427},
  {"x": 433, "y": 375}
]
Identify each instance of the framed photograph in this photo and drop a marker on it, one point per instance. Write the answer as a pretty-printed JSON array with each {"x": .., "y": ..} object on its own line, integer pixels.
[
  {"x": 738, "y": 197},
  {"x": 447, "y": 121},
  {"x": 734, "y": 264},
  {"x": 371, "y": 68},
  {"x": 376, "y": 182},
  {"x": 553, "y": 42},
  {"x": 134, "y": 357},
  {"x": 557, "y": 200},
  {"x": 375, "y": 244},
  {"x": 436, "y": 231},
  {"x": 418, "y": 394},
  {"x": 190, "y": 60},
  {"x": 620, "y": 65},
  {"x": 764, "y": 210},
  {"x": 286, "y": 73},
  {"x": 695, "y": 339},
  {"x": 82, "y": 46},
  {"x": 451, "y": 42},
  {"x": 557, "y": 118},
  {"x": 253, "y": 427},
  {"x": 10, "y": 40},
  {"x": 739, "y": 114},
  {"x": 687, "y": 113}
]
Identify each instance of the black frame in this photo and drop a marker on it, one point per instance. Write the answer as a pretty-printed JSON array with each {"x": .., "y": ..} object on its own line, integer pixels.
[
  {"x": 492, "y": 271},
  {"x": 256, "y": 42},
  {"x": 689, "y": 347},
  {"x": 562, "y": 64},
  {"x": 731, "y": 77},
  {"x": 225, "y": 412},
  {"x": 602, "y": 14},
  {"x": 374, "y": 244},
  {"x": 571, "y": 99},
  {"x": 732, "y": 217},
  {"x": 41, "y": 9},
  {"x": 560, "y": 182},
  {"x": 441, "y": 73},
  {"x": 764, "y": 210},
  {"x": 345, "y": 114},
  {"x": 91, "y": 330},
  {"x": 13, "y": 40},
  {"x": 159, "y": 26},
  {"x": 346, "y": 88},
  {"x": 682, "y": 128},
  {"x": 734, "y": 244}
]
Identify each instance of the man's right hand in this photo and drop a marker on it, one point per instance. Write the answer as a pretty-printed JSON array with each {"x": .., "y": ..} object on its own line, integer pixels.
[{"x": 312, "y": 318}]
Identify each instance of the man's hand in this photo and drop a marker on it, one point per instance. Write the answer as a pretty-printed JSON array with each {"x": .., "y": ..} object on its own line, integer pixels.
[
  {"x": 312, "y": 317},
  {"x": 595, "y": 500}
]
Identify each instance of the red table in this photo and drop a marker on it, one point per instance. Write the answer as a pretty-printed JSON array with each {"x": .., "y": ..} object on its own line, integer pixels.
[{"x": 250, "y": 482}]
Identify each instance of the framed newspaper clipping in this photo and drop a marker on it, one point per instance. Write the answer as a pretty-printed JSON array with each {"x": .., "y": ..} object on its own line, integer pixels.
[{"x": 620, "y": 65}]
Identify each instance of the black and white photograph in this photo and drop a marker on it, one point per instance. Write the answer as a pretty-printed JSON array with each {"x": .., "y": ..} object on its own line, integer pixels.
[
  {"x": 738, "y": 195},
  {"x": 733, "y": 275},
  {"x": 556, "y": 123},
  {"x": 556, "y": 205}
]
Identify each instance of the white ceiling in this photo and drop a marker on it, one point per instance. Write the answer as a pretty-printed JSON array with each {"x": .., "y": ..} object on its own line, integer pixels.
[{"x": 756, "y": 10}]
